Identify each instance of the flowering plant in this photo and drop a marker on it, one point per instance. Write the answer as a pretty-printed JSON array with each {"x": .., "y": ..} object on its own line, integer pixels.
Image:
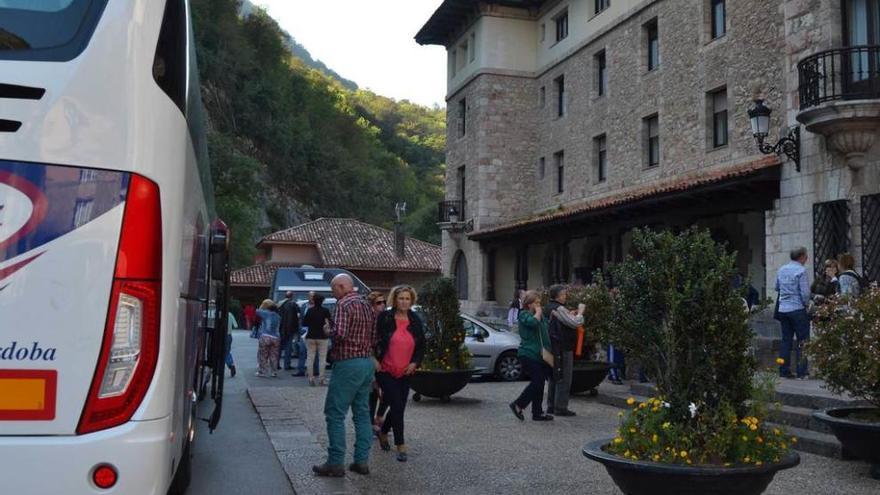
[
  {"x": 675, "y": 310},
  {"x": 650, "y": 432},
  {"x": 444, "y": 331},
  {"x": 845, "y": 350}
]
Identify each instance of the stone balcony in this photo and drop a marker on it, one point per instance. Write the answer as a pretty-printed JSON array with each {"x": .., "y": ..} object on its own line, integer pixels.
[
  {"x": 839, "y": 93},
  {"x": 451, "y": 216}
]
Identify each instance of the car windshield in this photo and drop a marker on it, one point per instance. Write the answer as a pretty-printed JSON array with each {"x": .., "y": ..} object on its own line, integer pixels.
[
  {"x": 495, "y": 325},
  {"x": 46, "y": 29}
]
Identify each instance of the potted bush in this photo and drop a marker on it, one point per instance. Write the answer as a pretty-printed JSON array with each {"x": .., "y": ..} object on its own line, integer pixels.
[
  {"x": 588, "y": 372},
  {"x": 446, "y": 368},
  {"x": 845, "y": 353},
  {"x": 674, "y": 309}
]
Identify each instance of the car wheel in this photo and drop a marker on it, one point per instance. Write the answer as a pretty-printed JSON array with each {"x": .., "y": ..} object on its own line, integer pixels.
[{"x": 509, "y": 367}]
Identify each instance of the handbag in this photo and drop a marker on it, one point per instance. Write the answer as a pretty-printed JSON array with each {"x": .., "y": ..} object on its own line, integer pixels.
[{"x": 546, "y": 355}]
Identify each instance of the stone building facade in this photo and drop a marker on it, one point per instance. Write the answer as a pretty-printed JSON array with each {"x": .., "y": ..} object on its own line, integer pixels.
[{"x": 571, "y": 122}]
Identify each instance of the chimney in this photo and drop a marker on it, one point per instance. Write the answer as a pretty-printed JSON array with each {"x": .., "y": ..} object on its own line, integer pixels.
[
  {"x": 399, "y": 233},
  {"x": 399, "y": 240}
]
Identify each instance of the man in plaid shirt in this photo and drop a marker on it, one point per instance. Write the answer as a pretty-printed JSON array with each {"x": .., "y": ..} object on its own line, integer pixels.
[{"x": 354, "y": 338}]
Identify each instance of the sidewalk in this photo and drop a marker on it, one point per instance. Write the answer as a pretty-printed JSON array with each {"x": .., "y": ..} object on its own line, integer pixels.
[{"x": 474, "y": 445}]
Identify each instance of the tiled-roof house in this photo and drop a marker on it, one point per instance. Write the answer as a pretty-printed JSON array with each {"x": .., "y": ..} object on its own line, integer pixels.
[{"x": 370, "y": 252}]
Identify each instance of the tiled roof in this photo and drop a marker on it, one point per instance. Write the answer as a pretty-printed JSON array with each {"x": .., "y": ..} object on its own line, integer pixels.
[
  {"x": 256, "y": 275},
  {"x": 635, "y": 194},
  {"x": 351, "y": 244}
]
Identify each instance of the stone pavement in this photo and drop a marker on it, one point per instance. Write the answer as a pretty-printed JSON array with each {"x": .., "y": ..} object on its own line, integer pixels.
[{"x": 474, "y": 445}]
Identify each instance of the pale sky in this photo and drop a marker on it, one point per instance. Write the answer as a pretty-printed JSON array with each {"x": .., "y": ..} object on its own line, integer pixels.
[{"x": 370, "y": 43}]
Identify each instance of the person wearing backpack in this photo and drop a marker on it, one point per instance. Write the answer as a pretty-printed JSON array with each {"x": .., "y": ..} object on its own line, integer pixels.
[{"x": 851, "y": 283}]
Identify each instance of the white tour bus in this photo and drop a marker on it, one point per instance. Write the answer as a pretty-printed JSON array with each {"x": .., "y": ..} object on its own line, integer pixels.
[{"x": 110, "y": 254}]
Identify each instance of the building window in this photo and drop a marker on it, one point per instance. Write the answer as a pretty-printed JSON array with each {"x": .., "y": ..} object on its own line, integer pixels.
[
  {"x": 560, "y": 96},
  {"x": 559, "y": 159},
  {"x": 541, "y": 168},
  {"x": 602, "y": 5},
  {"x": 601, "y": 73},
  {"x": 830, "y": 231},
  {"x": 473, "y": 45},
  {"x": 462, "y": 117},
  {"x": 719, "y": 18},
  {"x": 600, "y": 145},
  {"x": 561, "y": 26},
  {"x": 653, "y": 36},
  {"x": 542, "y": 97},
  {"x": 652, "y": 140},
  {"x": 719, "y": 117},
  {"x": 83, "y": 211},
  {"x": 543, "y": 32},
  {"x": 460, "y": 270},
  {"x": 453, "y": 62},
  {"x": 465, "y": 49}
]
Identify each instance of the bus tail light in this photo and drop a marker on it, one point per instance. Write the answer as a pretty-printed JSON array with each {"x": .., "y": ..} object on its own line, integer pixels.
[{"x": 130, "y": 347}]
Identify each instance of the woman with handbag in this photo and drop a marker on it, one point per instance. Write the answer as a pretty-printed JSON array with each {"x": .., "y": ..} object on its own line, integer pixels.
[
  {"x": 535, "y": 356},
  {"x": 319, "y": 322}
]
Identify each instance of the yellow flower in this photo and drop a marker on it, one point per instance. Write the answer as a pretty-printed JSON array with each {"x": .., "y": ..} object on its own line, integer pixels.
[
  {"x": 626, "y": 454},
  {"x": 630, "y": 401},
  {"x": 656, "y": 458},
  {"x": 758, "y": 463},
  {"x": 632, "y": 430},
  {"x": 780, "y": 361},
  {"x": 745, "y": 438},
  {"x": 688, "y": 461},
  {"x": 727, "y": 464},
  {"x": 759, "y": 439},
  {"x": 618, "y": 440},
  {"x": 747, "y": 459},
  {"x": 620, "y": 414},
  {"x": 793, "y": 439},
  {"x": 667, "y": 425},
  {"x": 684, "y": 453},
  {"x": 654, "y": 438},
  {"x": 776, "y": 431},
  {"x": 753, "y": 427},
  {"x": 643, "y": 405}
]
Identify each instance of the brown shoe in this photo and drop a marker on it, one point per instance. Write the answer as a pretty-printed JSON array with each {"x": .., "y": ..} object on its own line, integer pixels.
[
  {"x": 332, "y": 470},
  {"x": 359, "y": 468}
]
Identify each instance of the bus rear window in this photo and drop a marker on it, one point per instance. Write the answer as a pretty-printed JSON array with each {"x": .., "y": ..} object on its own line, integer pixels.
[{"x": 51, "y": 30}]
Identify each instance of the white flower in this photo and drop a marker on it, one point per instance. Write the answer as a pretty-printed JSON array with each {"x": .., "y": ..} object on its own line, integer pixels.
[
  {"x": 693, "y": 409},
  {"x": 665, "y": 404}
]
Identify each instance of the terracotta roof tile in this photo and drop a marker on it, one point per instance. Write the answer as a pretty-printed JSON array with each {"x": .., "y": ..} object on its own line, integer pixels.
[
  {"x": 351, "y": 244},
  {"x": 256, "y": 275},
  {"x": 637, "y": 193}
]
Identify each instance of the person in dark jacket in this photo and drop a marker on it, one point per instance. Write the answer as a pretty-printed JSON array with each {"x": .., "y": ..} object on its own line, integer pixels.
[
  {"x": 289, "y": 312},
  {"x": 400, "y": 349},
  {"x": 317, "y": 320},
  {"x": 563, "y": 339}
]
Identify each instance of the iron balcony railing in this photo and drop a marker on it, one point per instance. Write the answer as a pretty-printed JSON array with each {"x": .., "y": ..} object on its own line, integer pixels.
[
  {"x": 451, "y": 211},
  {"x": 850, "y": 73}
]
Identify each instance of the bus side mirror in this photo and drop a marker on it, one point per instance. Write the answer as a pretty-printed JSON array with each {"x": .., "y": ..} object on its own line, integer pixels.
[{"x": 219, "y": 250}]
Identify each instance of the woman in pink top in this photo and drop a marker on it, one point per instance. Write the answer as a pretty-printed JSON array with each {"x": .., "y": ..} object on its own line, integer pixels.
[{"x": 399, "y": 351}]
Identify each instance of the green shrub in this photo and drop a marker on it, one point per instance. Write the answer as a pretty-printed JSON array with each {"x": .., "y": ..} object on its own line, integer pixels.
[
  {"x": 444, "y": 332},
  {"x": 675, "y": 311},
  {"x": 845, "y": 349}
]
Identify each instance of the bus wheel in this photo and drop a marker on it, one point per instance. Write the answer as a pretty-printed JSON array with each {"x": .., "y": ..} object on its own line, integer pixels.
[{"x": 184, "y": 472}]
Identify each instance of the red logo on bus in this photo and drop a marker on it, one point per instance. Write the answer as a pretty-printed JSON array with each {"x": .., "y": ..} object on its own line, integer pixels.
[{"x": 22, "y": 207}]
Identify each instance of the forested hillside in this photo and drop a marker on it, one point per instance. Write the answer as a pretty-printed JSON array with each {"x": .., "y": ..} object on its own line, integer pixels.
[{"x": 289, "y": 143}]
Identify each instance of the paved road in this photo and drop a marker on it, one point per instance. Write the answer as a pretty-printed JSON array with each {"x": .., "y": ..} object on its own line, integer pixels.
[{"x": 238, "y": 457}]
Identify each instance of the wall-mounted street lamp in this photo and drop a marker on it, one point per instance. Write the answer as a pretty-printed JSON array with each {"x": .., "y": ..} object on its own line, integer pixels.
[{"x": 789, "y": 145}]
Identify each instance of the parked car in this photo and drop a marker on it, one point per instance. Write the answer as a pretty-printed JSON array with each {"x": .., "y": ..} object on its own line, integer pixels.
[{"x": 493, "y": 347}]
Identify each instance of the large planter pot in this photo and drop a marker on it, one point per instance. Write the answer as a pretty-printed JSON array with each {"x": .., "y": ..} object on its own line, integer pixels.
[
  {"x": 643, "y": 477},
  {"x": 587, "y": 375},
  {"x": 860, "y": 438},
  {"x": 440, "y": 384}
]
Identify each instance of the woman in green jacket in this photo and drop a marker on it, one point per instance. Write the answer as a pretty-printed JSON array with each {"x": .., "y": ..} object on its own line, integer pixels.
[{"x": 533, "y": 332}]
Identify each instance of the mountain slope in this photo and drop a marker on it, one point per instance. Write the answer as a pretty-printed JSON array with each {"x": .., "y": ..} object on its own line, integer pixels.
[{"x": 290, "y": 142}]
